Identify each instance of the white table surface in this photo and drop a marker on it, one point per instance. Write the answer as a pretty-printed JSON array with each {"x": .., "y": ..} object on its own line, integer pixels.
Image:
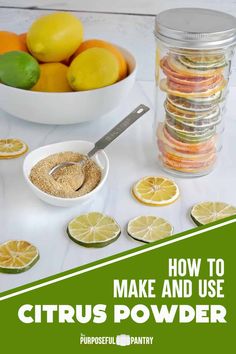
[{"x": 132, "y": 156}]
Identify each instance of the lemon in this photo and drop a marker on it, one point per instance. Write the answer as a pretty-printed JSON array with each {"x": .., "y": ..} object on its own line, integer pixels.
[
  {"x": 53, "y": 78},
  {"x": 98, "y": 43},
  {"x": 156, "y": 191},
  {"x": 17, "y": 256},
  {"x": 149, "y": 228},
  {"x": 55, "y": 37},
  {"x": 93, "y": 230},
  {"x": 19, "y": 69},
  {"x": 12, "y": 148},
  {"x": 207, "y": 212},
  {"x": 93, "y": 68}
]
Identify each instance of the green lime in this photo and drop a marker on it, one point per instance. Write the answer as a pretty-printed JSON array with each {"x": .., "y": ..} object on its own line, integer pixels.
[
  {"x": 93, "y": 230},
  {"x": 19, "y": 69},
  {"x": 17, "y": 256},
  {"x": 207, "y": 212}
]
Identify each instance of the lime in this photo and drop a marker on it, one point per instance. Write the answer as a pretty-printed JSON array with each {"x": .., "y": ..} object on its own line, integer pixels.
[
  {"x": 92, "y": 69},
  {"x": 19, "y": 69},
  {"x": 207, "y": 212},
  {"x": 93, "y": 230},
  {"x": 55, "y": 37},
  {"x": 149, "y": 228},
  {"x": 156, "y": 191},
  {"x": 17, "y": 256}
]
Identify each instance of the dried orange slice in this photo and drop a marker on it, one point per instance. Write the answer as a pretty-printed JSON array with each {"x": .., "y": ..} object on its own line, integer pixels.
[
  {"x": 156, "y": 191},
  {"x": 17, "y": 256},
  {"x": 12, "y": 148}
]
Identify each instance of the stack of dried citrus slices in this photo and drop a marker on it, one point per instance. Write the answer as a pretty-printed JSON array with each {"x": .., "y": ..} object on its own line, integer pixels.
[{"x": 194, "y": 85}]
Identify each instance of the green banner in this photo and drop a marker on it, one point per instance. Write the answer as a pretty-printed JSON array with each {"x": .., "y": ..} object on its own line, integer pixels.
[{"x": 174, "y": 296}]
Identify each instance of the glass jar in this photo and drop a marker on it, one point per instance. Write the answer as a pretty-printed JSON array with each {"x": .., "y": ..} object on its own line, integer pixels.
[{"x": 193, "y": 60}]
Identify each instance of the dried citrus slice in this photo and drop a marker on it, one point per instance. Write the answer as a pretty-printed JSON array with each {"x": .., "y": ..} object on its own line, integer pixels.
[
  {"x": 206, "y": 212},
  {"x": 149, "y": 228},
  {"x": 93, "y": 230},
  {"x": 170, "y": 88},
  {"x": 12, "y": 148},
  {"x": 156, "y": 191},
  {"x": 17, "y": 256},
  {"x": 175, "y": 64}
]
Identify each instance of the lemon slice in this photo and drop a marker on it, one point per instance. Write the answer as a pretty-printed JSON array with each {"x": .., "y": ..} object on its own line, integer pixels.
[
  {"x": 12, "y": 148},
  {"x": 156, "y": 191},
  {"x": 17, "y": 256},
  {"x": 207, "y": 212},
  {"x": 149, "y": 228},
  {"x": 93, "y": 230}
]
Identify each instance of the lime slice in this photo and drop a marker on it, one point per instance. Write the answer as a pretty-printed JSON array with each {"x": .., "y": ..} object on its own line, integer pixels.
[
  {"x": 93, "y": 230},
  {"x": 207, "y": 212},
  {"x": 12, "y": 148},
  {"x": 149, "y": 228},
  {"x": 192, "y": 125},
  {"x": 156, "y": 191},
  {"x": 17, "y": 256}
]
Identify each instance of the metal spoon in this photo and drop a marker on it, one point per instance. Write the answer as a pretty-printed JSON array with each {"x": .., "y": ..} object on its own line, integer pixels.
[{"x": 106, "y": 139}]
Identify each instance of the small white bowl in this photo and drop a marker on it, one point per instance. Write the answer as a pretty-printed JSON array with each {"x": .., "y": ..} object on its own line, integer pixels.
[
  {"x": 80, "y": 146},
  {"x": 67, "y": 107}
]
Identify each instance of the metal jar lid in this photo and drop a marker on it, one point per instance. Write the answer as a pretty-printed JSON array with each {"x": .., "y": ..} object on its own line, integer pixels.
[{"x": 196, "y": 28}]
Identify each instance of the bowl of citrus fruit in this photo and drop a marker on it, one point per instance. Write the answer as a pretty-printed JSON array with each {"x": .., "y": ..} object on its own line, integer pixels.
[{"x": 52, "y": 75}]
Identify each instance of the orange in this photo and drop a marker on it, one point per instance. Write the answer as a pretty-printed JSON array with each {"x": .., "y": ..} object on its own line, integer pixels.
[
  {"x": 91, "y": 43},
  {"x": 22, "y": 37},
  {"x": 10, "y": 41},
  {"x": 53, "y": 78}
]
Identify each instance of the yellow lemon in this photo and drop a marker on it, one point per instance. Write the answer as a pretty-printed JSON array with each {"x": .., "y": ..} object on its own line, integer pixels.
[
  {"x": 93, "y": 68},
  {"x": 55, "y": 37},
  {"x": 53, "y": 78}
]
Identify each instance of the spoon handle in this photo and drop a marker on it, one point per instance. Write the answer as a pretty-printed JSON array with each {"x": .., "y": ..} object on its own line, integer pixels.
[{"x": 119, "y": 129}]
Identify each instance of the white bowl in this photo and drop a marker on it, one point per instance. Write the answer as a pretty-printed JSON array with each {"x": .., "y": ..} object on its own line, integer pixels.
[
  {"x": 68, "y": 107},
  {"x": 76, "y": 146}
]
